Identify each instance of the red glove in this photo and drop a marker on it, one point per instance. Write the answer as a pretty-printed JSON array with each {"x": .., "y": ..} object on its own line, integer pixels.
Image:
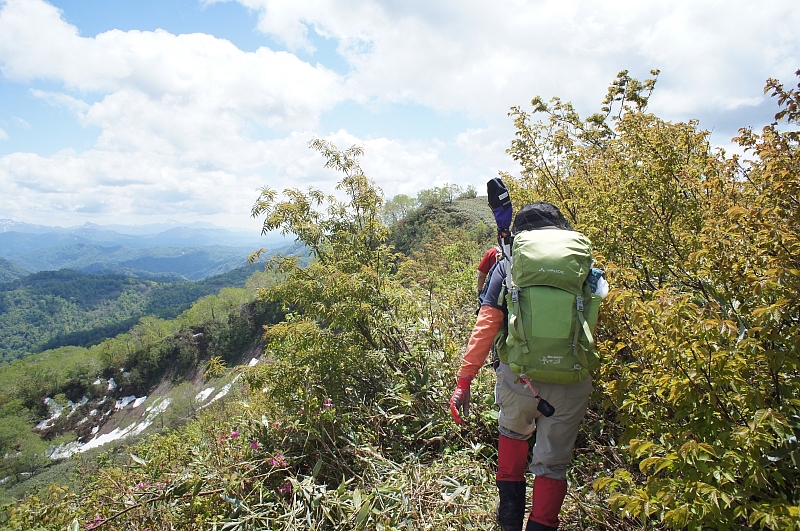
[{"x": 460, "y": 400}]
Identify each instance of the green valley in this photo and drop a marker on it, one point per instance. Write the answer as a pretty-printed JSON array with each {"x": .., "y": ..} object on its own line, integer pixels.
[{"x": 56, "y": 308}]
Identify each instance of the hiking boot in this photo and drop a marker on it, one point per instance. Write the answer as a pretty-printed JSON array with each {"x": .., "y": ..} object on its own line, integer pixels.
[{"x": 511, "y": 507}]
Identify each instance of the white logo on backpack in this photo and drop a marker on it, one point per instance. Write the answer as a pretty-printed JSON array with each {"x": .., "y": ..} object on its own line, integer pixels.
[{"x": 555, "y": 360}]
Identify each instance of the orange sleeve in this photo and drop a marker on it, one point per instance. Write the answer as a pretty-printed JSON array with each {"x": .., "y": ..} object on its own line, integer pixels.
[{"x": 490, "y": 321}]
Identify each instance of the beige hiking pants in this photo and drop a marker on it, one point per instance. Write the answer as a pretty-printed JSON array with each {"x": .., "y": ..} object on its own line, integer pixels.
[{"x": 555, "y": 436}]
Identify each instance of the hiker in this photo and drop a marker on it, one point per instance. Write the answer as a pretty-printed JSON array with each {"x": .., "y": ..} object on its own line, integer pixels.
[
  {"x": 558, "y": 369},
  {"x": 489, "y": 259}
]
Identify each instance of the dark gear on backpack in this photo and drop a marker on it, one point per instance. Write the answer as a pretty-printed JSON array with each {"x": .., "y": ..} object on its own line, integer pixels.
[
  {"x": 539, "y": 215},
  {"x": 500, "y": 202}
]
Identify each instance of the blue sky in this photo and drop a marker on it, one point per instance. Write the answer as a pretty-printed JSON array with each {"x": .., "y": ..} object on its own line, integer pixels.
[{"x": 135, "y": 111}]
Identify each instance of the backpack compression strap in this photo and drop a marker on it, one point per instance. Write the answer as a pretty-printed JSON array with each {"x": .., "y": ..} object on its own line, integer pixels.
[
  {"x": 515, "y": 325},
  {"x": 583, "y": 326}
]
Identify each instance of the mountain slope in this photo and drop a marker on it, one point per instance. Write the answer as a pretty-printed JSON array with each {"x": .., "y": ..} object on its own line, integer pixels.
[{"x": 10, "y": 271}]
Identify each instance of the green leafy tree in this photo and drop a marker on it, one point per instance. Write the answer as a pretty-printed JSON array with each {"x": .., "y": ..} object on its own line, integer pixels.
[
  {"x": 215, "y": 367},
  {"x": 397, "y": 208},
  {"x": 348, "y": 301},
  {"x": 469, "y": 193},
  {"x": 442, "y": 274},
  {"x": 439, "y": 194}
]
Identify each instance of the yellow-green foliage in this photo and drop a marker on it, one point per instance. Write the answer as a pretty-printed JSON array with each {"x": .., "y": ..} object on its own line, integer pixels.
[{"x": 701, "y": 330}]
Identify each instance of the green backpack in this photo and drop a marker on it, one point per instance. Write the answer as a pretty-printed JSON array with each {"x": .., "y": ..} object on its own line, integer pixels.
[{"x": 551, "y": 309}]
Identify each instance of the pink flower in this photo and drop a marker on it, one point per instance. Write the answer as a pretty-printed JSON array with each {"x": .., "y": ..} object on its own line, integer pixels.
[
  {"x": 277, "y": 425},
  {"x": 328, "y": 403},
  {"x": 279, "y": 460},
  {"x": 139, "y": 486},
  {"x": 222, "y": 440},
  {"x": 286, "y": 488},
  {"x": 254, "y": 444},
  {"x": 234, "y": 434}
]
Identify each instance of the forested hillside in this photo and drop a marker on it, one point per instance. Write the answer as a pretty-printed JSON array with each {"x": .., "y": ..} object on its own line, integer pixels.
[
  {"x": 695, "y": 420},
  {"x": 59, "y": 308},
  {"x": 10, "y": 271}
]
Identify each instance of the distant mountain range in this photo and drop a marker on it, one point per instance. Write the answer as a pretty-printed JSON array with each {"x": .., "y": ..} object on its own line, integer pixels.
[{"x": 191, "y": 251}]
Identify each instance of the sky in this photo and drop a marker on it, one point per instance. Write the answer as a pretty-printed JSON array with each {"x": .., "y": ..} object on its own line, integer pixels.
[{"x": 140, "y": 111}]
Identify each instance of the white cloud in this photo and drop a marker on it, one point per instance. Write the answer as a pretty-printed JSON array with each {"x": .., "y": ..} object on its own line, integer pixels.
[
  {"x": 405, "y": 167},
  {"x": 195, "y": 72},
  {"x": 484, "y": 57},
  {"x": 146, "y": 185},
  {"x": 59, "y": 99},
  {"x": 188, "y": 122},
  {"x": 22, "y": 122},
  {"x": 3, "y": 134},
  {"x": 487, "y": 147}
]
